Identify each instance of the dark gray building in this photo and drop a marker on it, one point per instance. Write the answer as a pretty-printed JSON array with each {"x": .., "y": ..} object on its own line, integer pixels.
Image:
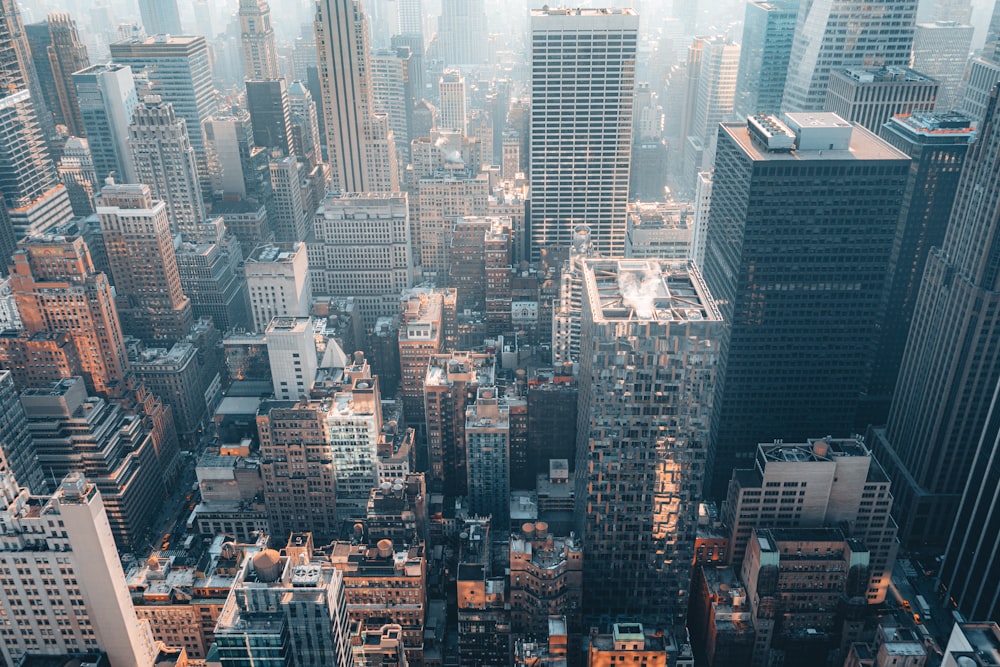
[
  {"x": 937, "y": 144},
  {"x": 799, "y": 237},
  {"x": 270, "y": 114},
  {"x": 16, "y": 448},
  {"x": 951, "y": 363}
]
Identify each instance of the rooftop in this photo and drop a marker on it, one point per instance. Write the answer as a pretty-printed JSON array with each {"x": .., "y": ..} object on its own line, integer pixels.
[
  {"x": 275, "y": 252},
  {"x": 817, "y": 136},
  {"x": 883, "y": 74},
  {"x": 647, "y": 290}
]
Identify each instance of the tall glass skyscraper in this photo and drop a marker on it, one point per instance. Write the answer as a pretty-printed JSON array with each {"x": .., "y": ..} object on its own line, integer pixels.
[
  {"x": 830, "y": 34},
  {"x": 582, "y": 92},
  {"x": 768, "y": 28}
]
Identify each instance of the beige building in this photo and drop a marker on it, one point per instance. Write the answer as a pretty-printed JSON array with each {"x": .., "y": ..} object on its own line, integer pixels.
[
  {"x": 546, "y": 578},
  {"x": 440, "y": 199},
  {"x": 385, "y": 585},
  {"x": 278, "y": 281},
  {"x": 823, "y": 482},
  {"x": 428, "y": 327}
]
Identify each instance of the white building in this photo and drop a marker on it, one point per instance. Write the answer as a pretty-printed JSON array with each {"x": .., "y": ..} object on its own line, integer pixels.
[
  {"x": 362, "y": 249},
  {"x": 291, "y": 350},
  {"x": 278, "y": 282},
  {"x": 64, "y": 590},
  {"x": 660, "y": 229},
  {"x": 582, "y": 89},
  {"x": 453, "y": 111},
  {"x": 354, "y": 423}
]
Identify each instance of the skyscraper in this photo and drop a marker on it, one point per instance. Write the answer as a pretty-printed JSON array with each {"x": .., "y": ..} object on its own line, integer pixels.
[
  {"x": 63, "y": 55},
  {"x": 180, "y": 72},
  {"x": 870, "y": 96},
  {"x": 58, "y": 290},
  {"x": 63, "y": 542},
  {"x": 270, "y": 115},
  {"x": 360, "y": 146},
  {"x": 582, "y": 87},
  {"x": 844, "y": 33},
  {"x": 260, "y": 52},
  {"x": 937, "y": 143},
  {"x": 941, "y": 51},
  {"x": 768, "y": 28},
  {"x": 165, "y": 161},
  {"x": 305, "y": 123},
  {"x": 778, "y": 244},
  {"x": 151, "y": 303},
  {"x": 392, "y": 94},
  {"x": 17, "y": 453},
  {"x": 463, "y": 33},
  {"x": 107, "y": 98},
  {"x": 278, "y": 281},
  {"x": 453, "y": 114},
  {"x": 160, "y": 17},
  {"x": 648, "y": 363},
  {"x": 951, "y": 363}
]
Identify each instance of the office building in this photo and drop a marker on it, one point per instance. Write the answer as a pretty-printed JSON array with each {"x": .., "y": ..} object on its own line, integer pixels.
[
  {"x": 61, "y": 544},
  {"x": 305, "y": 123},
  {"x": 291, "y": 351},
  {"x": 359, "y": 143},
  {"x": 770, "y": 179},
  {"x": 76, "y": 171},
  {"x": 982, "y": 73},
  {"x": 441, "y": 199},
  {"x": 160, "y": 17},
  {"x": 355, "y": 424},
  {"x": 972, "y": 644},
  {"x": 630, "y": 642},
  {"x": 659, "y": 230},
  {"x": 148, "y": 293},
  {"x": 174, "y": 375},
  {"x": 580, "y": 176},
  {"x": 35, "y": 199},
  {"x": 17, "y": 453},
  {"x": 237, "y": 168},
  {"x": 943, "y": 416},
  {"x": 871, "y": 96},
  {"x": 392, "y": 94},
  {"x": 57, "y": 290},
  {"x": 285, "y": 608},
  {"x": 164, "y": 159},
  {"x": 270, "y": 115},
  {"x": 463, "y": 32},
  {"x": 568, "y": 307},
  {"x": 451, "y": 385},
  {"x": 546, "y": 578},
  {"x": 452, "y": 93},
  {"x": 638, "y": 537},
  {"x": 487, "y": 436},
  {"x": 209, "y": 262},
  {"x": 881, "y": 35},
  {"x": 937, "y": 143},
  {"x": 279, "y": 282},
  {"x": 260, "y": 52},
  {"x": 290, "y": 216},
  {"x": 361, "y": 247},
  {"x": 838, "y": 482},
  {"x": 484, "y": 628},
  {"x": 386, "y": 571},
  {"x": 428, "y": 326},
  {"x": 179, "y": 70},
  {"x": 107, "y": 98},
  {"x": 64, "y": 54},
  {"x": 941, "y": 51},
  {"x": 795, "y": 578},
  {"x": 711, "y": 101},
  {"x": 768, "y": 29},
  {"x": 299, "y": 476},
  {"x": 74, "y": 432}
]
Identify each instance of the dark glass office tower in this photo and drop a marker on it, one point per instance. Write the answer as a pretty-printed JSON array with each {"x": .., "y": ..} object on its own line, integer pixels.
[
  {"x": 799, "y": 237},
  {"x": 768, "y": 28},
  {"x": 952, "y": 359},
  {"x": 937, "y": 144}
]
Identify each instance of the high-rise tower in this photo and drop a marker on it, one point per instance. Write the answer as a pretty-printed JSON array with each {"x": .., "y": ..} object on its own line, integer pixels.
[
  {"x": 768, "y": 28},
  {"x": 830, "y": 34},
  {"x": 649, "y": 350},
  {"x": 64, "y": 54},
  {"x": 260, "y": 52},
  {"x": 165, "y": 161},
  {"x": 463, "y": 33},
  {"x": 952, "y": 359},
  {"x": 582, "y": 88},
  {"x": 160, "y": 17},
  {"x": 151, "y": 304},
  {"x": 107, "y": 98},
  {"x": 57, "y": 290},
  {"x": 360, "y": 146},
  {"x": 778, "y": 244}
]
